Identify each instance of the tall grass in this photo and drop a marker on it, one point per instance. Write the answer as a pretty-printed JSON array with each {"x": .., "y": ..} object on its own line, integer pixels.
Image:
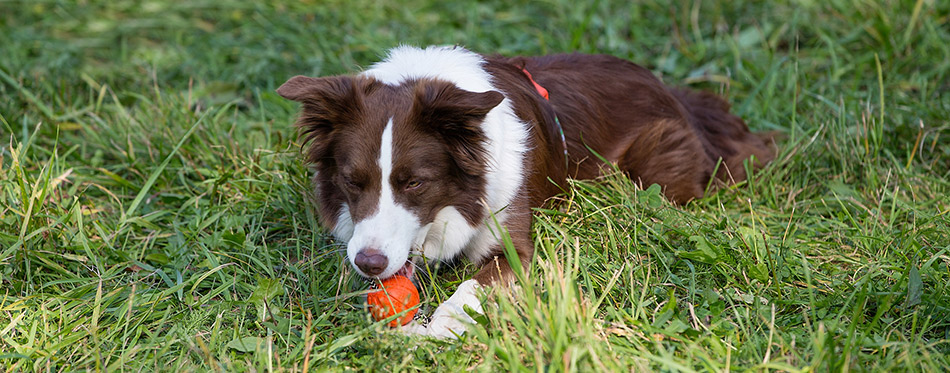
[{"x": 154, "y": 209}]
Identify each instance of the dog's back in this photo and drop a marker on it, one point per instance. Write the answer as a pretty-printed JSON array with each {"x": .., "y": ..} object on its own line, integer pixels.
[{"x": 624, "y": 114}]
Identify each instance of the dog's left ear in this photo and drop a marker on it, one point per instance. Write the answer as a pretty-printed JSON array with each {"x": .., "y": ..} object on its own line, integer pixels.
[
  {"x": 456, "y": 115},
  {"x": 448, "y": 103}
]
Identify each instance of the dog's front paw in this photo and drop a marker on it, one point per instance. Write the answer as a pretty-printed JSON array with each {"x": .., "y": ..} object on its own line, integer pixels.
[
  {"x": 414, "y": 327},
  {"x": 450, "y": 320}
]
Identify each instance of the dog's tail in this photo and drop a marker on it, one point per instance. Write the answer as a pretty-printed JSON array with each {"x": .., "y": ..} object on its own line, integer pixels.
[{"x": 725, "y": 135}]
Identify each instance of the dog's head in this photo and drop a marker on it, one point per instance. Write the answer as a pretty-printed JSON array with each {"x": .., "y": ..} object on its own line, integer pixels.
[{"x": 389, "y": 158}]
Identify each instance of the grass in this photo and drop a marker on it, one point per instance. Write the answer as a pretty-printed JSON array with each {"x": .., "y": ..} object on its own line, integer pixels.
[{"x": 152, "y": 195}]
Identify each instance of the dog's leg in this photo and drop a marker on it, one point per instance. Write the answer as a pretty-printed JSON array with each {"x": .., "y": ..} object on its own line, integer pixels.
[
  {"x": 670, "y": 154},
  {"x": 450, "y": 319}
]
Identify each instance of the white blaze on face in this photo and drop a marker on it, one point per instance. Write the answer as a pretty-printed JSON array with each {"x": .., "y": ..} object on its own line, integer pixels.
[{"x": 392, "y": 229}]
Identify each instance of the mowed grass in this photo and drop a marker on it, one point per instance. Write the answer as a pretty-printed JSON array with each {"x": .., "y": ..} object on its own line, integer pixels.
[{"x": 154, "y": 211}]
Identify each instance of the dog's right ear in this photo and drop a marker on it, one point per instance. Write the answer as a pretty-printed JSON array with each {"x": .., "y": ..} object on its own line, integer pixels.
[
  {"x": 331, "y": 94},
  {"x": 327, "y": 103},
  {"x": 297, "y": 88}
]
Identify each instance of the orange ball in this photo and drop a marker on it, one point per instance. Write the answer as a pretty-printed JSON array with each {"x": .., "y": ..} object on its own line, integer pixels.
[{"x": 397, "y": 294}]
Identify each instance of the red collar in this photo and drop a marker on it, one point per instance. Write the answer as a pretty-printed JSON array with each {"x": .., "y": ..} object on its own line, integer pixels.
[
  {"x": 560, "y": 129},
  {"x": 543, "y": 92}
]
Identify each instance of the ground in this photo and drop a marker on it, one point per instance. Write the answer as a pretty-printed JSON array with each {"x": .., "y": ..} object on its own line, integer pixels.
[{"x": 153, "y": 209}]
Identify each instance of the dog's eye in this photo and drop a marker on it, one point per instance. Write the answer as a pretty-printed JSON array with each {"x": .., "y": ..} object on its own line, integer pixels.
[
  {"x": 413, "y": 184},
  {"x": 350, "y": 183}
]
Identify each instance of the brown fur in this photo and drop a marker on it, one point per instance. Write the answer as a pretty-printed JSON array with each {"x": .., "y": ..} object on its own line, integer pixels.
[{"x": 655, "y": 134}]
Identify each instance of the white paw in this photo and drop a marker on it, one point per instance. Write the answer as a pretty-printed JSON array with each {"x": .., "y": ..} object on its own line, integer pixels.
[
  {"x": 414, "y": 327},
  {"x": 450, "y": 319}
]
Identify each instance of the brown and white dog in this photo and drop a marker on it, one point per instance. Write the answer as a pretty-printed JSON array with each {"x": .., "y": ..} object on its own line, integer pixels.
[{"x": 421, "y": 154}]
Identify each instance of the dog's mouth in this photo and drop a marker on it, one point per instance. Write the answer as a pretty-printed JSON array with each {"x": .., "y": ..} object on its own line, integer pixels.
[{"x": 407, "y": 270}]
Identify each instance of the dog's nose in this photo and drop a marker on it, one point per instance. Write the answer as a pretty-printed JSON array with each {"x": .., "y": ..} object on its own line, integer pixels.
[{"x": 371, "y": 261}]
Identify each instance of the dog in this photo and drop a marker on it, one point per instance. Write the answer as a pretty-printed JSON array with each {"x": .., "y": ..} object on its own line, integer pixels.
[{"x": 437, "y": 152}]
